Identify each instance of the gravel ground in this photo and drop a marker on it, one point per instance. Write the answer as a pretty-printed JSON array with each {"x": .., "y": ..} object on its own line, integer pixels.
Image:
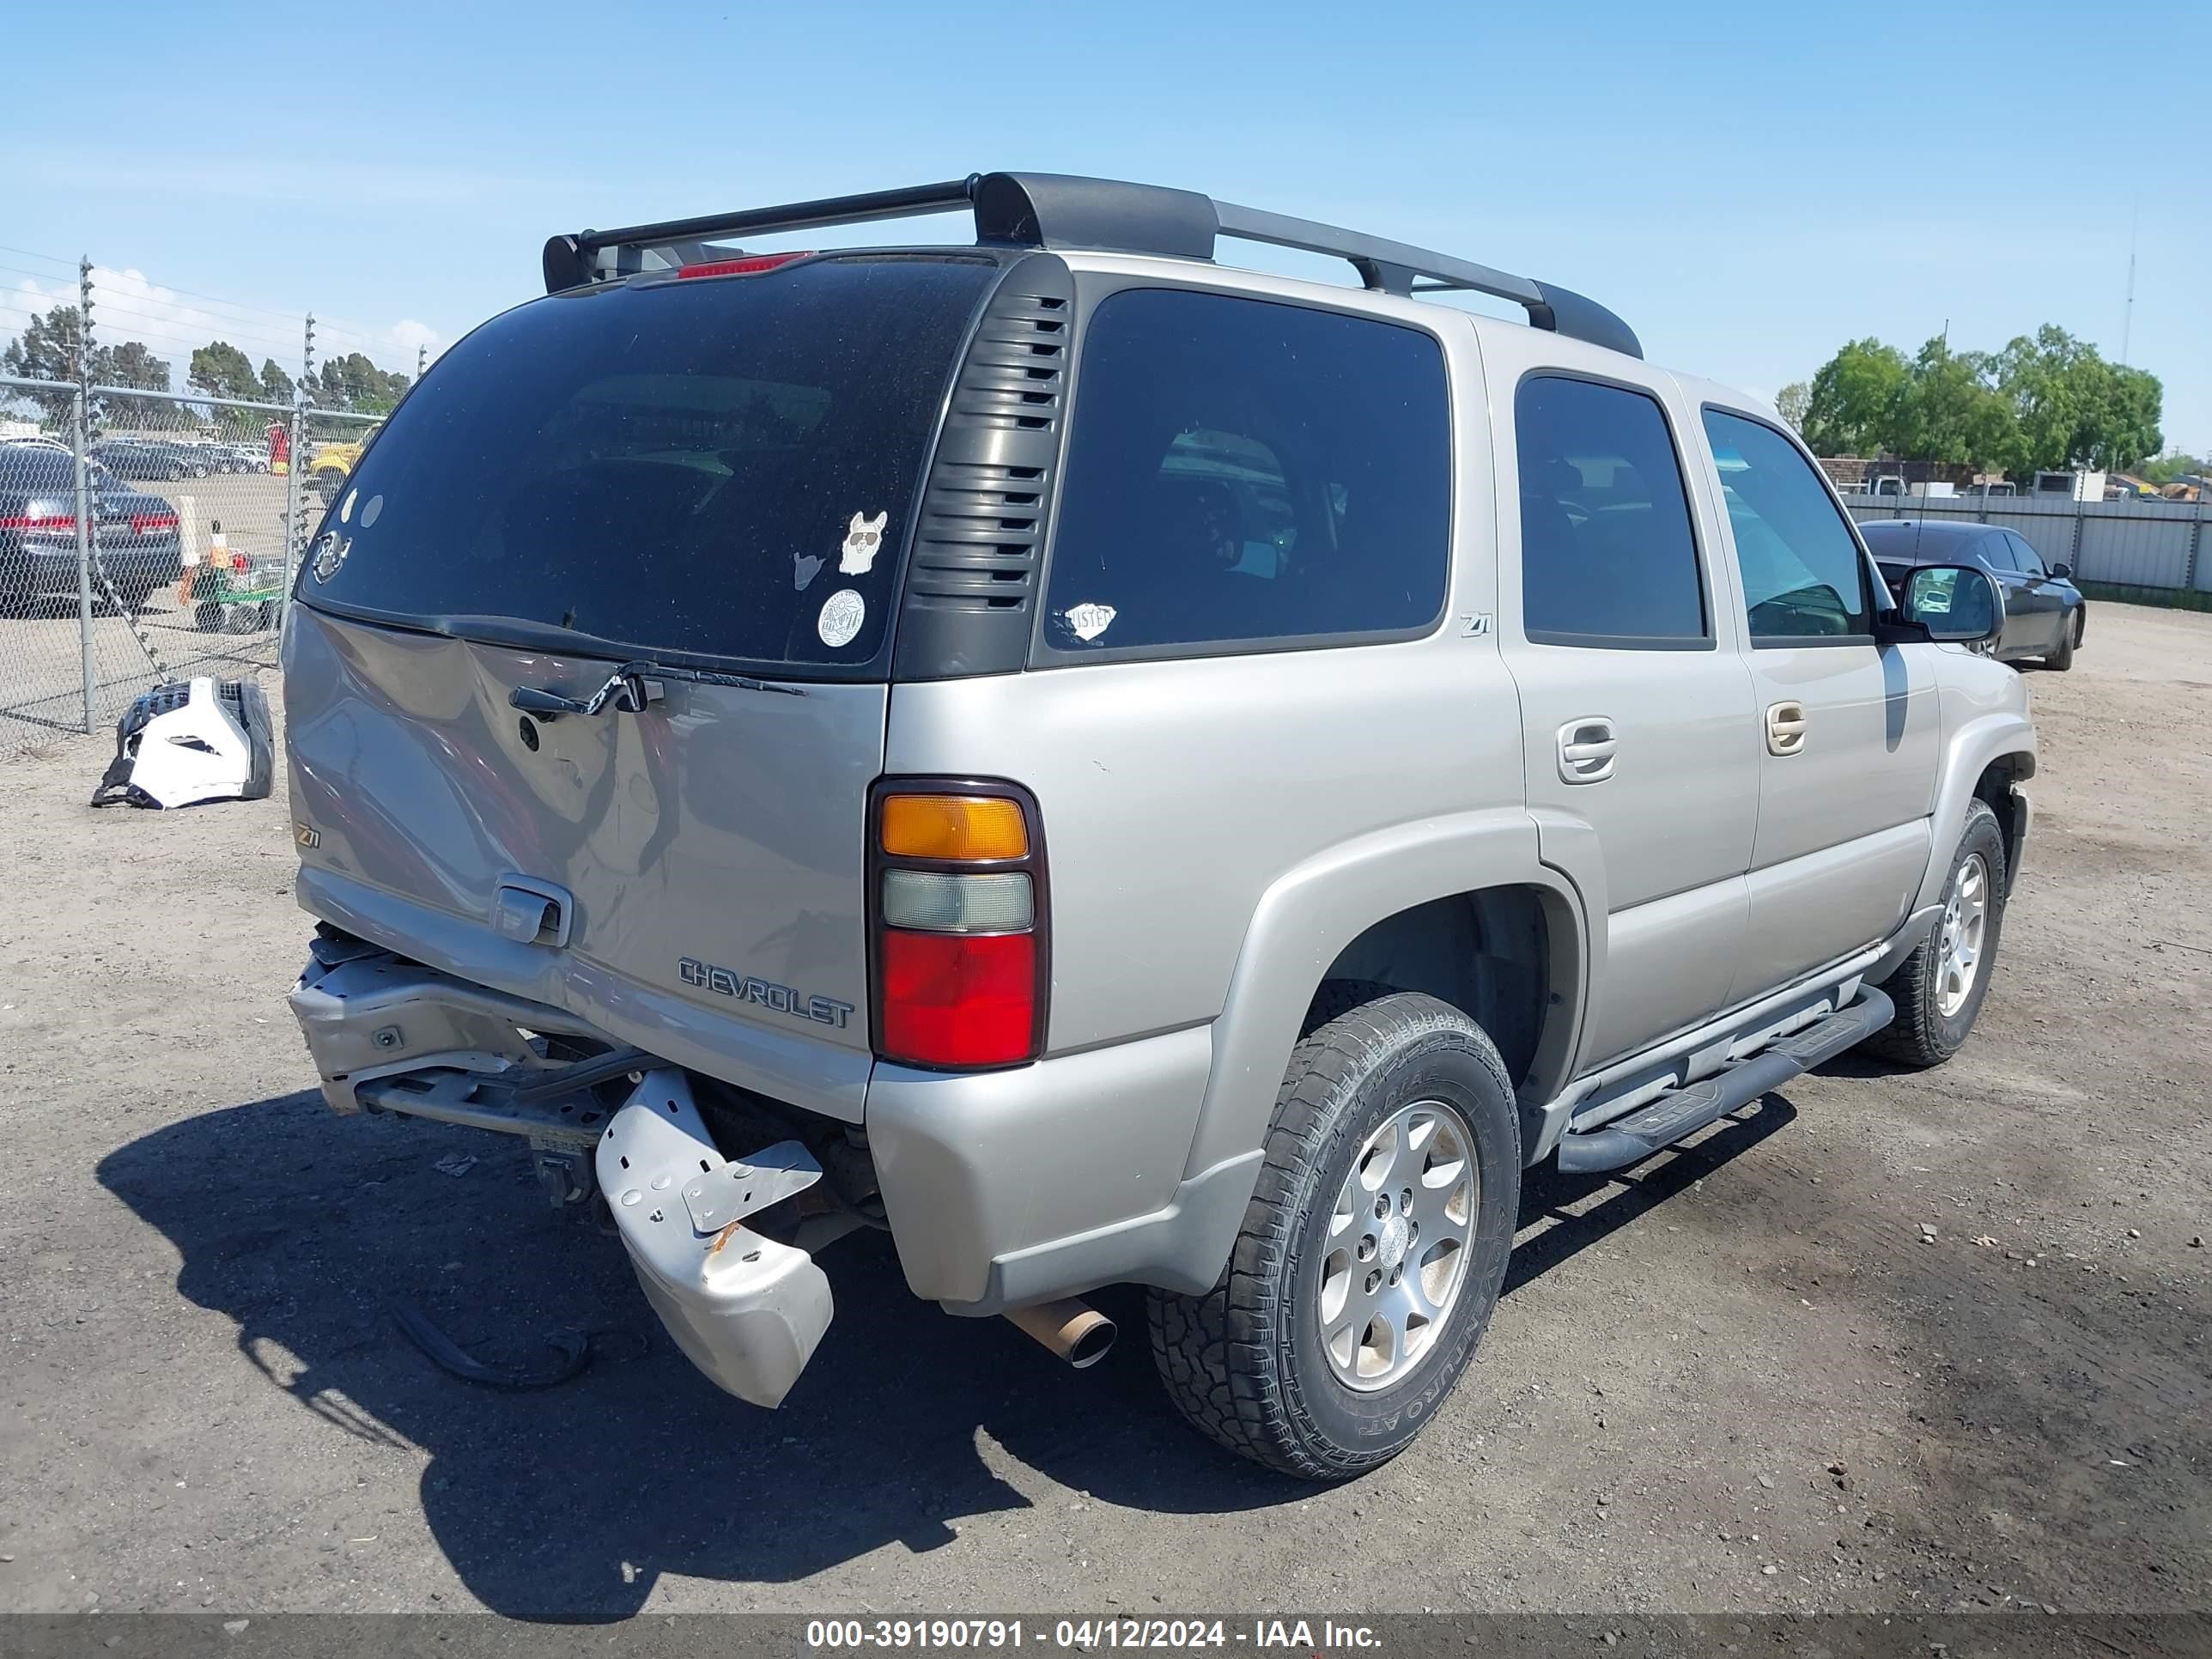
[{"x": 1910, "y": 1343}]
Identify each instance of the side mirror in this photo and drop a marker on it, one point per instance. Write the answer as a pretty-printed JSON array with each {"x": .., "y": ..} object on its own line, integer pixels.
[
  {"x": 1957, "y": 604},
  {"x": 2061, "y": 572}
]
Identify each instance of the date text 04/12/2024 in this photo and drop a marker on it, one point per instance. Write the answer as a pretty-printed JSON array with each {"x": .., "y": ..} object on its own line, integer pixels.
[{"x": 1085, "y": 1635}]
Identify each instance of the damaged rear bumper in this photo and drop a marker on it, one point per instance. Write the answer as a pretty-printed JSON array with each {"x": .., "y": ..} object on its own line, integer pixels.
[
  {"x": 390, "y": 1035},
  {"x": 745, "y": 1309}
]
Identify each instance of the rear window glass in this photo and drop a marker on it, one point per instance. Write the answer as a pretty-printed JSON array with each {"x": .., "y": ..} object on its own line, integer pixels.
[
  {"x": 1244, "y": 470},
  {"x": 719, "y": 467},
  {"x": 23, "y": 467}
]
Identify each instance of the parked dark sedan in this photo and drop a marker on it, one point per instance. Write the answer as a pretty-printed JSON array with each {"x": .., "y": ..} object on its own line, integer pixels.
[
  {"x": 135, "y": 534},
  {"x": 129, "y": 458},
  {"x": 2045, "y": 612}
]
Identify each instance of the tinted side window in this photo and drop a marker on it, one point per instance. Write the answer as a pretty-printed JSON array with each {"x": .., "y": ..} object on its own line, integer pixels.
[
  {"x": 2024, "y": 557},
  {"x": 1239, "y": 470},
  {"x": 1803, "y": 575},
  {"x": 1998, "y": 552},
  {"x": 1607, "y": 553}
]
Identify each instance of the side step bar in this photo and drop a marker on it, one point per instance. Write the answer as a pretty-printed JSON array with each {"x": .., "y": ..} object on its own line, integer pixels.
[{"x": 1681, "y": 1112}]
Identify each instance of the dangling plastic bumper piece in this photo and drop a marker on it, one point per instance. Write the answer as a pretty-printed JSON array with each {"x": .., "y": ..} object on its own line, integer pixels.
[{"x": 191, "y": 741}]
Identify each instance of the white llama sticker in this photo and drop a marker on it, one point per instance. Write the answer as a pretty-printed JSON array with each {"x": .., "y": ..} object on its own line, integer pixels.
[{"x": 864, "y": 539}]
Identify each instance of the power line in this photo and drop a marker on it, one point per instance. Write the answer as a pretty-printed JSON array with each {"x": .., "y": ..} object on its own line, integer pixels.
[
  {"x": 174, "y": 326},
  {"x": 68, "y": 266},
  {"x": 36, "y": 277},
  {"x": 287, "y": 317}
]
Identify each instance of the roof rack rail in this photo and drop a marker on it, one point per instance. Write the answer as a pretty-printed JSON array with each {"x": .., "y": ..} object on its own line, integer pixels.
[{"x": 1060, "y": 210}]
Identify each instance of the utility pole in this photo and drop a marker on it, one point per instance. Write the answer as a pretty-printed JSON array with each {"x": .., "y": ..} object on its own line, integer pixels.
[{"x": 421, "y": 359}]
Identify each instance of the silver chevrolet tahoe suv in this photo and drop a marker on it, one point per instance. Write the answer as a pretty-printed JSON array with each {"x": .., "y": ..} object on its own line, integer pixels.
[{"x": 1117, "y": 769}]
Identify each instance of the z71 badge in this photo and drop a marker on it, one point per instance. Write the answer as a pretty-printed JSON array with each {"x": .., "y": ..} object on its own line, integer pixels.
[{"x": 781, "y": 998}]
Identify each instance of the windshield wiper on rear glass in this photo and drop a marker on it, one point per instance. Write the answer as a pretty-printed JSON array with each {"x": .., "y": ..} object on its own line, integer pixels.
[{"x": 631, "y": 688}]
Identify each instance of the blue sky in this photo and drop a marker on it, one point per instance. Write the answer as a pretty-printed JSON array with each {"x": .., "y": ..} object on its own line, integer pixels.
[{"x": 1750, "y": 185}]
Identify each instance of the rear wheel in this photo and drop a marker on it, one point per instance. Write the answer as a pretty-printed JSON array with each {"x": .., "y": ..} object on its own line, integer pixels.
[
  {"x": 2070, "y": 636},
  {"x": 1939, "y": 988},
  {"x": 1372, "y": 1252}
]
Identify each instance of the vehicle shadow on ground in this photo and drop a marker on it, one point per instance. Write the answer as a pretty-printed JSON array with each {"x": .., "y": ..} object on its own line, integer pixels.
[
  {"x": 569, "y": 1503},
  {"x": 1622, "y": 1197}
]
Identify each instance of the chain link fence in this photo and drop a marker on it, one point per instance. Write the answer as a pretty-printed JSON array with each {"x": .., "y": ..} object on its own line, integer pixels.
[{"x": 147, "y": 535}]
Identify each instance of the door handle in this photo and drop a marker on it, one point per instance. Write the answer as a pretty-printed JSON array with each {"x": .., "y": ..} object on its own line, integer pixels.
[
  {"x": 1785, "y": 728},
  {"x": 1587, "y": 748}
]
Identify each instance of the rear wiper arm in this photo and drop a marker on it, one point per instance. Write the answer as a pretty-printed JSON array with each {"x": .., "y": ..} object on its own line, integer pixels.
[
  {"x": 631, "y": 689},
  {"x": 627, "y": 689}
]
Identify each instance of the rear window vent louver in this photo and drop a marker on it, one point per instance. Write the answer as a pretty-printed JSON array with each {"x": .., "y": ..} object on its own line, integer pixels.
[{"x": 972, "y": 578}]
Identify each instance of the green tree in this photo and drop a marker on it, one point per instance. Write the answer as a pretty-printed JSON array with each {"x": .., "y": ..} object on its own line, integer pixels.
[
  {"x": 1852, "y": 404},
  {"x": 276, "y": 384},
  {"x": 131, "y": 364},
  {"x": 221, "y": 370},
  {"x": 1792, "y": 401},
  {"x": 50, "y": 348},
  {"x": 1948, "y": 410},
  {"x": 353, "y": 382},
  {"x": 2048, "y": 402},
  {"x": 46, "y": 350},
  {"x": 2123, "y": 426},
  {"x": 2074, "y": 408},
  {"x": 2165, "y": 469}
]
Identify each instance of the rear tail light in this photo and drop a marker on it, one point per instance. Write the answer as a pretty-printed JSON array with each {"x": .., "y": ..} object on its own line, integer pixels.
[
  {"x": 41, "y": 521},
  {"x": 961, "y": 827},
  {"x": 959, "y": 923},
  {"x": 958, "y": 904},
  {"x": 145, "y": 524},
  {"x": 958, "y": 999},
  {"x": 751, "y": 266}
]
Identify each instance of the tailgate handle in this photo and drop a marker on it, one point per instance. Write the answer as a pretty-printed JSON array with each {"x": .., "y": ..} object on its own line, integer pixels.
[{"x": 532, "y": 912}]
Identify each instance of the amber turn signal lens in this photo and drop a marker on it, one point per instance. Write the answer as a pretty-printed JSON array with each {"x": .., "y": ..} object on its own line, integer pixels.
[{"x": 953, "y": 827}]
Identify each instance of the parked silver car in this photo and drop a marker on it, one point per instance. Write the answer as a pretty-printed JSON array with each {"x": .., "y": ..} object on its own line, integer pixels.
[{"x": 1116, "y": 769}]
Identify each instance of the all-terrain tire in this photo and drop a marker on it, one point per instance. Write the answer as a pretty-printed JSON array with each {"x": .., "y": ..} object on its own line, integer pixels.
[
  {"x": 1245, "y": 1362},
  {"x": 1923, "y": 1035}
]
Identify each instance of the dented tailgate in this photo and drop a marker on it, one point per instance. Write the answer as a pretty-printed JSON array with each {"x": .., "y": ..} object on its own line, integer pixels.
[{"x": 702, "y": 857}]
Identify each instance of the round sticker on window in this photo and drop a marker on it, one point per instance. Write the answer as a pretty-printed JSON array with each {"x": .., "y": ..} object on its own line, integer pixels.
[
  {"x": 841, "y": 619},
  {"x": 370, "y": 513}
]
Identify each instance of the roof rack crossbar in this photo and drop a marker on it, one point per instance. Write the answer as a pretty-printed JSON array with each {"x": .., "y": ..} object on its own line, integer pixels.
[
  {"x": 952, "y": 195},
  {"x": 1044, "y": 210}
]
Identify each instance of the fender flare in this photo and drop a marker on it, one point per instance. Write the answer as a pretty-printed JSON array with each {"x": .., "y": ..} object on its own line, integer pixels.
[
  {"x": 1309, "y": 915},
  {"x": 1967, "y": 753}
]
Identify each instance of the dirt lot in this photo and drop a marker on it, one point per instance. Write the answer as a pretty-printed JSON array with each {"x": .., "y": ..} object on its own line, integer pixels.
[{"x": 1744, "y": 1378}]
